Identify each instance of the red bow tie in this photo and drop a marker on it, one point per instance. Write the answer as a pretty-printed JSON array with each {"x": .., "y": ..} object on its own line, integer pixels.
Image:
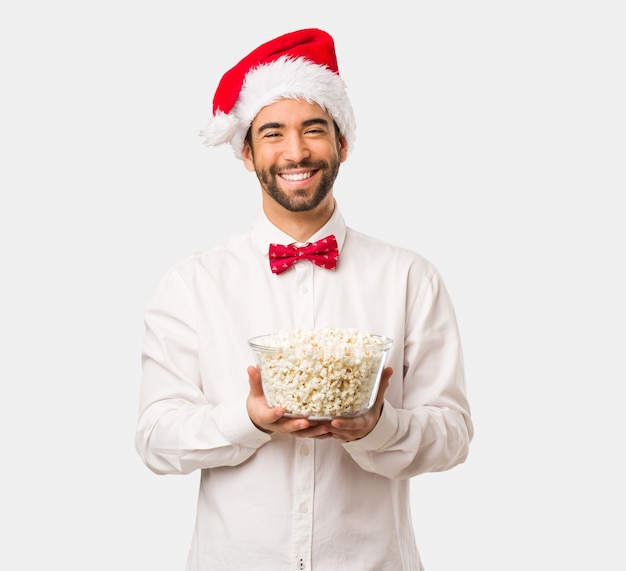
[{"x": 322, "y": 253}]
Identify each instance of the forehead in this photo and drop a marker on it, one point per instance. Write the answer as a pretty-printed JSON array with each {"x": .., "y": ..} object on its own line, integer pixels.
[{"x": 290, "y": 111}]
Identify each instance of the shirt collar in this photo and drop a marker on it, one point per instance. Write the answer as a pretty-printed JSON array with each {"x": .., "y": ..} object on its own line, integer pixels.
[{"x": 265, "y": 233}]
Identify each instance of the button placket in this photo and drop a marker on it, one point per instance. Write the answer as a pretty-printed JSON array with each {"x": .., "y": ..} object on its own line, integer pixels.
[
  {"x": 304, "y": 478},
  {"x": 304, "y": 470},
  {"x": 305, "y": 314}
]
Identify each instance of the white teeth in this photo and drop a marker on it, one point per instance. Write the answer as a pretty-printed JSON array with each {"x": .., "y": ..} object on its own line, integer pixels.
[{"x": 298, "y": 176}]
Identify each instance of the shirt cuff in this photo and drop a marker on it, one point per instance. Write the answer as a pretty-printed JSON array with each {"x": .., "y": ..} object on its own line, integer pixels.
[
  {"x": 235, "y": 424},
  {"x": 378, "y": 437}
]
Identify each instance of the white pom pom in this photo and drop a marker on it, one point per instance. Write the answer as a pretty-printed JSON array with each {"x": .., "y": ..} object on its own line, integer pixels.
[{"x": 220, "y": 129}]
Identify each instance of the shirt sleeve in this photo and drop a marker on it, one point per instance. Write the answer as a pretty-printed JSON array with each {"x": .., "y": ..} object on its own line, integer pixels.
[
  {"x": 178, "y": 430},
  {"x": 431, "y": 428}
]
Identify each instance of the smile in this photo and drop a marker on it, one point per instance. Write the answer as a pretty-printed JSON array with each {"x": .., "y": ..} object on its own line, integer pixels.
[{"x": 297, "y": 176}]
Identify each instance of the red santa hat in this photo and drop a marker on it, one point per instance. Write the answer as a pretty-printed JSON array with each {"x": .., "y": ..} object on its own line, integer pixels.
[{"x": 298, "y": 65}]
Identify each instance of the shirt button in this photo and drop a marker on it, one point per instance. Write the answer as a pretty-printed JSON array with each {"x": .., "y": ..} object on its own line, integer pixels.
[
  {"x": 301, "y": 564},
  {"x": 304, "y": 508},
  {"x": 304, "y": 289},
  {"x": 304, "y": 451}
]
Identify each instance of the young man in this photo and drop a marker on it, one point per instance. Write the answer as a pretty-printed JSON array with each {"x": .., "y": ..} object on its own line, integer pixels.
[{"x": 280, "y": 493}]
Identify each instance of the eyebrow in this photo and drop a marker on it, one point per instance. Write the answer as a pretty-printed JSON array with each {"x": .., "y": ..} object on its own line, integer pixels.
[{"x": 307, "y": 123}]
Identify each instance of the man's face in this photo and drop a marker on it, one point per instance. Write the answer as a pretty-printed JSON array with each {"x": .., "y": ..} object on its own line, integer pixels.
[{"x": 295, "y": 153}]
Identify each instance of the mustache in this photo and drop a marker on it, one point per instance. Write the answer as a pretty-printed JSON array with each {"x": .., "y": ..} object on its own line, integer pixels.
[{"x": 304, "y": 164}]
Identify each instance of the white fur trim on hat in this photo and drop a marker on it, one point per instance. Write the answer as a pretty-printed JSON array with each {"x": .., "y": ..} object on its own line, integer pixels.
[{"x": 284, "y": 78}]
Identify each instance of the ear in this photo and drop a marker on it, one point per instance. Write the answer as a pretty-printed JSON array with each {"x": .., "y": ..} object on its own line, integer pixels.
[
  {"x": 342, "y": 145},
  {"x": 246, "y": 156}
]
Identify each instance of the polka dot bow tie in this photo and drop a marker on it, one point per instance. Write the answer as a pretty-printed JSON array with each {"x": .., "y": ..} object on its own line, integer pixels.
[{"x": 322, "y": 253}]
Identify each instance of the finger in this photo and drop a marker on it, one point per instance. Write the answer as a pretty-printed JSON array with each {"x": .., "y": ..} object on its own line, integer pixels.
[
  {"x": 385, "y": 378},
  {"x": 386, "y": 375},
  {"x": 308, "y": 431},
  {"x": 254, "y": 378}
]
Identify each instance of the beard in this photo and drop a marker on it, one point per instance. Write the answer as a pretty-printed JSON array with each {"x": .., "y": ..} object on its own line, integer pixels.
[{"x": 300, "y": 201}]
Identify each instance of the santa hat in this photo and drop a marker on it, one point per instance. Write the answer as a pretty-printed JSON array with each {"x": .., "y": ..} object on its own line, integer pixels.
[{"x": 298, "y": 65}]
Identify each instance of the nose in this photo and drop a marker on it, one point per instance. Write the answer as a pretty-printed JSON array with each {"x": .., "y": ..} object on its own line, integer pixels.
[{"x": 295, "y": 148}]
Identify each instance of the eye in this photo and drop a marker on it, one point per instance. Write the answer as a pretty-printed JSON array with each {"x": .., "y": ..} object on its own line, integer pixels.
[{"x": 315, "y": 131}]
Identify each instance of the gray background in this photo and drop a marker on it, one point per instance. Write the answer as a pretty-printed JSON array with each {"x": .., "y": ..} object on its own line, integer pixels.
[{"x": 491, "y": 138}]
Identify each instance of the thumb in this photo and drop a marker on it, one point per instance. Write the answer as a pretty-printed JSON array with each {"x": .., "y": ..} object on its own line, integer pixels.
[
  {"x": 254, "y": 378},
  {"x": 384, "y": 383}
]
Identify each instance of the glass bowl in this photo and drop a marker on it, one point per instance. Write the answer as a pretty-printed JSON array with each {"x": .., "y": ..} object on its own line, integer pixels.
[{"x": 321, "y": 374}]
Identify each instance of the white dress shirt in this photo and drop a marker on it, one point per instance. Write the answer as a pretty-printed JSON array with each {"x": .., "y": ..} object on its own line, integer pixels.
[{"x": 277, "y": 502}]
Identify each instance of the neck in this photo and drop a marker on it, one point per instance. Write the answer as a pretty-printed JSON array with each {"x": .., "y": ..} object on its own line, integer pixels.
[{"x": 299, "y": 225}]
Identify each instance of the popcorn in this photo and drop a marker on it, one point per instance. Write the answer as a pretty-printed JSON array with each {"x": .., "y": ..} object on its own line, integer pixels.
[{"x": 321, "y": 372}]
